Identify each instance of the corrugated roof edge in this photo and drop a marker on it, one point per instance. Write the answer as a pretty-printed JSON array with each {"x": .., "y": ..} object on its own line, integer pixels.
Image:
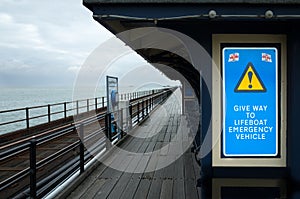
[{"x": 195, "y": 1}]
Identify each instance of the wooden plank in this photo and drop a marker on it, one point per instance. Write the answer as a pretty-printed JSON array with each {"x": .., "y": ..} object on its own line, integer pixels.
[
  {"x": 142, "y": 133},
  {"x": 157, "y": 127},
  {"x": 143, "y": 189},
  {"x": 132, "y": 145},
  {"x": 127, "y": 177},
  {"x": 174, "y": 148},
  {"x": 131, "y": 187},
  {"x": 167, "y": 137},
  {"x": 176, "y": 120},
  {"x": 127, "y": 142},
  {"x": 167, "y": 189},
  {"x": 155, "y": 137},
  {"x": 155, "y": 189},
  {"x": 136, "y": 158},
  {"x": 196, "y": 167},
  {"x": 159, "y": 183},
  {"x": 178, "y": 189},
  {"x": 121, "y": 162},
  {"x": 190, "y": 177},
  {"x": 150, "y": 147},
  {"x": 179, "y": 168},
  {"x": 143, "y": 147},
  {"x": 190, "y": 189},
  {"x": 173, "y": 133},
  {"x": 120, "y": 186},
  {"x": 160, "y": 167},
  {"x": 169, "y": 129},
  {"x": 141, "y": 167},
  {"x": 144, "y": 184},
  {"x": 12, "y": 168},
  {"x": 169, "y": 170},
  {"x": 51, "y": 149},
  {"x": 162, "y": 134},
  {"x": 88, "y": 183},
  {"x": 110, "y": 173},
  {"x": 158, "y": 174},
  {"x": 135, "y": 148},
  {"x": 150, "y": 167},
  {"x": 115, "y": 154},
  {"x": 165, "y": 149},
  {"x": 114, "y": 176},
  {"x": 188, "y": 166},
  {"x": 93, "y": 189},
  {"x": 106, "y": 188},
  {"x": 153, "y": 158},
  {"x": 148, "y": 138}
]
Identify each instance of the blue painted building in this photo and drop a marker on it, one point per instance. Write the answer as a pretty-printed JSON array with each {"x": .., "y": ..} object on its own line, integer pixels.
[{"x": 217, "y": 25}]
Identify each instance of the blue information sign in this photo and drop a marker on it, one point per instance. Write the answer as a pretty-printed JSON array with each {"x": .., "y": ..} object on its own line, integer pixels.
[{"x": 250, "y": 102}]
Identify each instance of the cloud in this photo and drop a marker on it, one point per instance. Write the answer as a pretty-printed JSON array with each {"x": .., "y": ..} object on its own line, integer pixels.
[
  {"x": 74, "y": 69},
  {"x": 48, "y": 41},
  {"x": 18, "y": 35}
]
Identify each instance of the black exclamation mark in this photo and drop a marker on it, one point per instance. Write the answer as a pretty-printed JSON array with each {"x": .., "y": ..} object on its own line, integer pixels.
[{"x": 250, "y": 78}]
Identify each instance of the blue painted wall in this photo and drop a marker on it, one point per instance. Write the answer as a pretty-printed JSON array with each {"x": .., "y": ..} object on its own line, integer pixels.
[
  {"x": 294, "y": 111},
  {"x": 201, "y": 30}
]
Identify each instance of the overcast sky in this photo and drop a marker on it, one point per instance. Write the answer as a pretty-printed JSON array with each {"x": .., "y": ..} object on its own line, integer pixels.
[{"x": 44, "y": 43}]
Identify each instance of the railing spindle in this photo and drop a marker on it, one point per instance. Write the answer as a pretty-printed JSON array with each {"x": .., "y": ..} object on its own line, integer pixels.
[
  {"x": 49, "y": 113},
  {"x": 65, "y": 109},
  {"x": 77, "y": 107},
  {"x": 27, "y": 117},
  {"x": 96, "y": 104},
  {"x": 138, "y": 112},
  {"x": 143, "y": 109},
  {"x": 87, "y": 105}
]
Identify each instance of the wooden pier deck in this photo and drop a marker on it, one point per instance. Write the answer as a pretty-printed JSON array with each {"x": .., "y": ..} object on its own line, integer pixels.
[{"x": 159, "y": 162}]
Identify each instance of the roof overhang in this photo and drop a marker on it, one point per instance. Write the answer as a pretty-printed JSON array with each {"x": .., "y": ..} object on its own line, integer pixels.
[{"x": 119, "y": 16}]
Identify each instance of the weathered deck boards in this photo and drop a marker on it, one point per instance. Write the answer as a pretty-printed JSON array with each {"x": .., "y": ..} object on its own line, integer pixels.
[{"x": 144, "y": 175}]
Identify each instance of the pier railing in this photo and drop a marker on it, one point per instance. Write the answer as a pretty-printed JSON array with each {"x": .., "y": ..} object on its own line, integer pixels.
[
  {"x": 24, "y": 118},
  {"x": 45, "y": 171}
]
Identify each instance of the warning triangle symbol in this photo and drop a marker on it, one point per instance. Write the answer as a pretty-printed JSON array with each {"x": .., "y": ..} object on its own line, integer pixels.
[{"x": 250, "y": 81}]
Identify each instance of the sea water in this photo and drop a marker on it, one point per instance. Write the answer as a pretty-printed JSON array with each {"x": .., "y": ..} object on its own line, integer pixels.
[
  {"x": 15, "y": 98},
  {"x": 20, "y": 98}
]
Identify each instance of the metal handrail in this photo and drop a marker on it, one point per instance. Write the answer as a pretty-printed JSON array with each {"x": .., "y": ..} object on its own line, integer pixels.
[
  {"x": 39, "y": 187},
  {"x": 65, "y": 109}
]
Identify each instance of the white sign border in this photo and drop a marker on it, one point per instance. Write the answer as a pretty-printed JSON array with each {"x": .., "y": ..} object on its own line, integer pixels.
[
  {"x": 224, "y": 98},
  {"x": 217, "y": 159}
]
